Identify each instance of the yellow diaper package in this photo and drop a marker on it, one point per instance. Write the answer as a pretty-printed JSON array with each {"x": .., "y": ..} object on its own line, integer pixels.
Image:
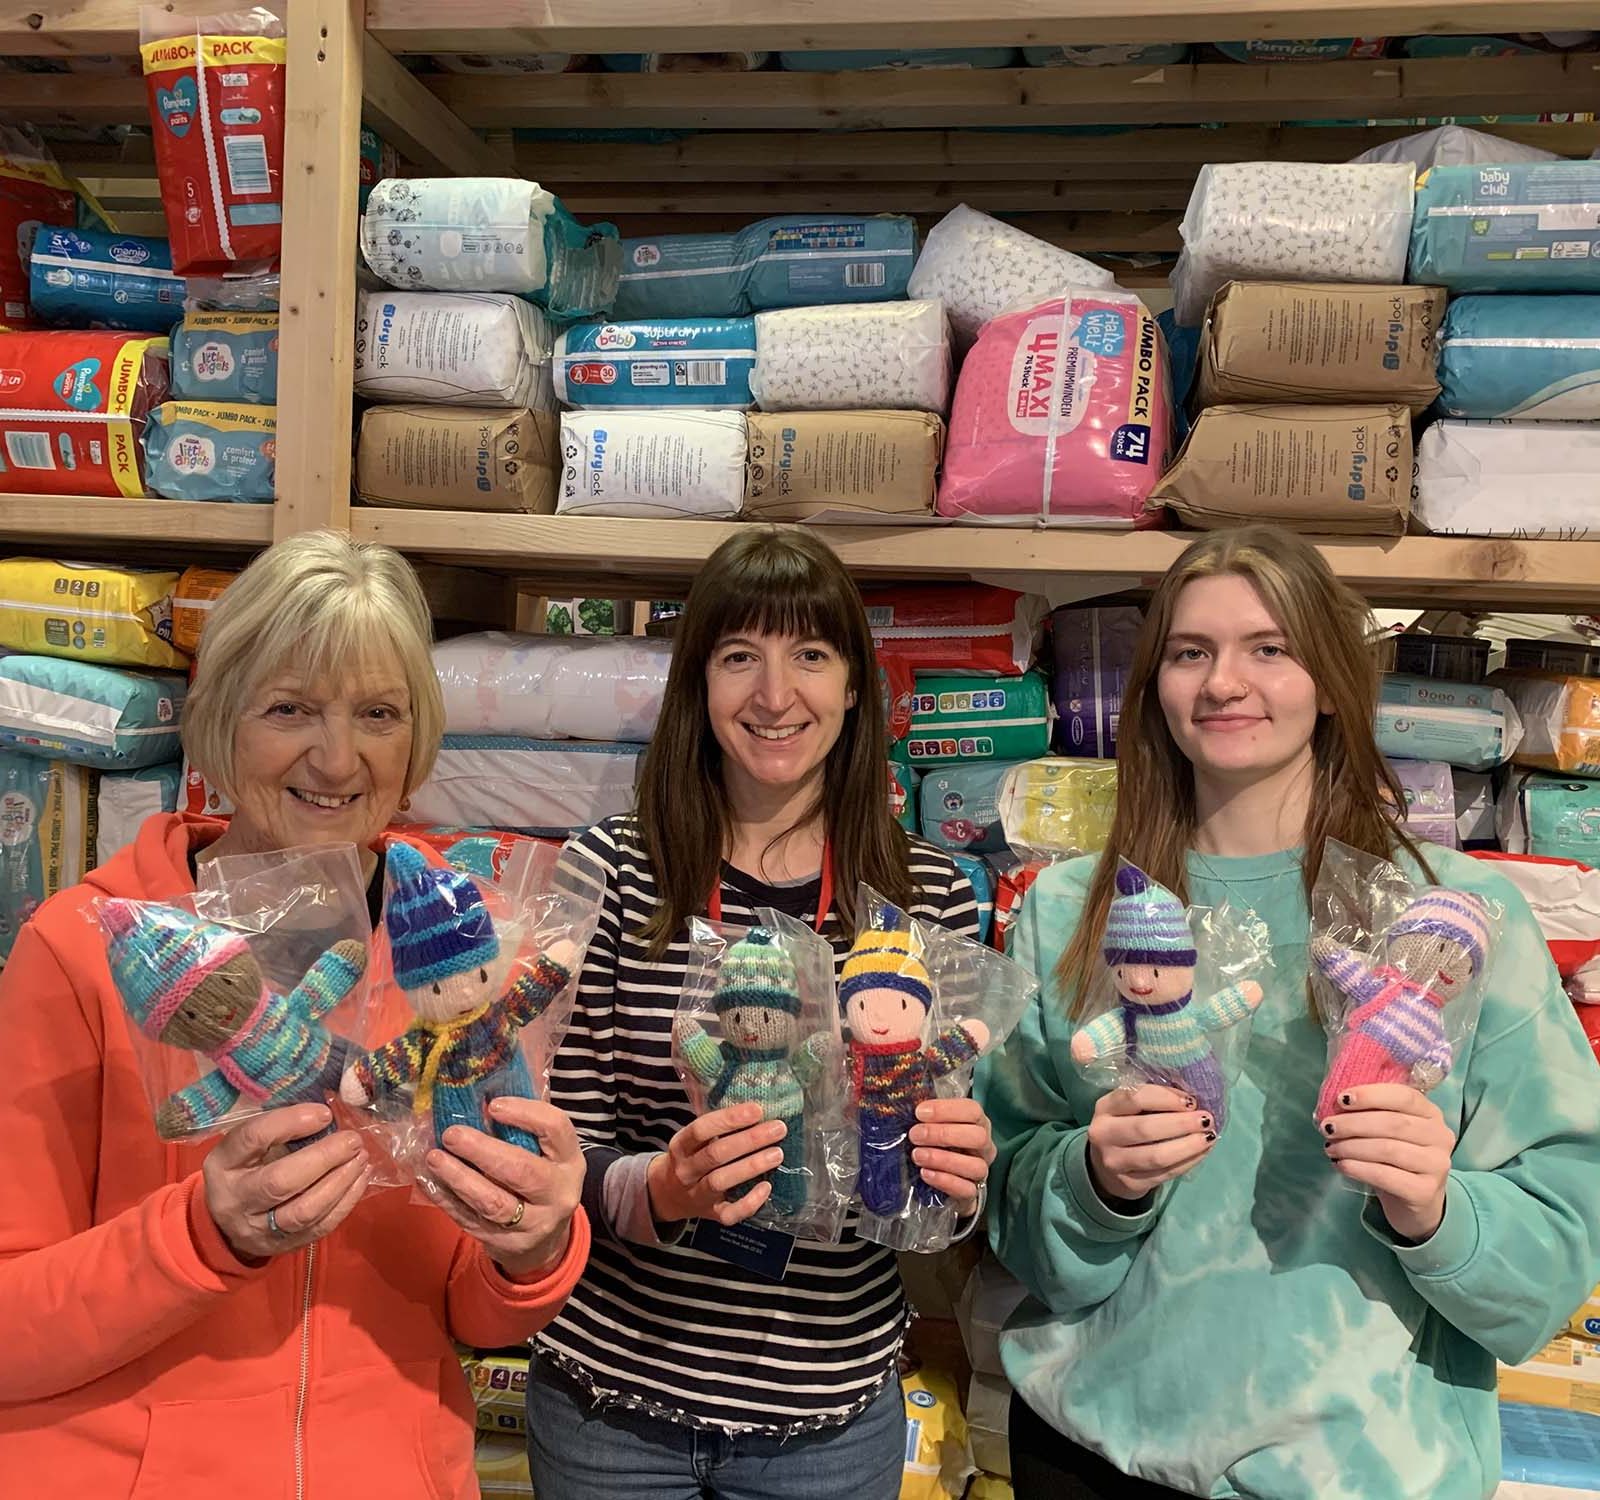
[
  {"x": 1058, "y": 806},
  {"x": 113, "y": 616},
  {"x": 502, "y": 1465},
  {"x": 990, "y": 1487},
  {"x": 499, "y": 1386},
  {"x": 1565, "y": 1373},
  {"x": 1560, "y": 720},
  {"x": 938, "y": 1458}
]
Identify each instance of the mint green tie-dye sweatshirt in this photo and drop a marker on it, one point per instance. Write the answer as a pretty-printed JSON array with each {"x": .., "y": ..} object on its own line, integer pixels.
[{"x": 1257, "y": 1332}]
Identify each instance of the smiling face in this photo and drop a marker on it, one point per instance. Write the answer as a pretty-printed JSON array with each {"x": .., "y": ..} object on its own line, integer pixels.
[
  {"x": 759, "y": 1028},
  {"x": 1149, "y": 984},
  {"x": 1443, "y": 966},
  {"x": 445, "y": 999},
  {"x": 880, "y": 1018},
  {"x": 1238, "y": 704},
  {"x": 216, "y": 1008}
]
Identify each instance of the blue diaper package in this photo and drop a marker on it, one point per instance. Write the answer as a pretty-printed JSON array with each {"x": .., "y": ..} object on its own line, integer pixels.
[
  {"x": 1531, "y": 357},
  {"x": 198, "y": 450},
  {"x": 982, "y": 877},
  {"x": 960, "y": 807},
  {"x": 91, "y": 279},
  {"x": 1523, "y": 227},
  {"x": 124, "y": 799},
  {"x": 226, "y": 356},
  {"x": 1524, "y": 44},
  {"x": 1108, "y": 55},
  {"x": 924, "y": 57},
  {"x": 1554, "y": 816},
  {"x": 90, "y": 715},
  {"x": 903, "y": 794},
  {"x": 46, "y": 835},
  {"x": 791, "y": 260},
  {"x": 1304, "y": 49},
  {"x": 657, "y": 362},
  {"x": 1463, "y": 724}
]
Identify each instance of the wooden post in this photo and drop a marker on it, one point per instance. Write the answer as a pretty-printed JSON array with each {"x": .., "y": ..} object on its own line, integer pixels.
[{"x": 316, "y": 340}]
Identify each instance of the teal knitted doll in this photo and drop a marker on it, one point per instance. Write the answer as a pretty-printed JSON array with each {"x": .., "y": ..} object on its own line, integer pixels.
[
  {"x": 446, "y": 957},
  {"x": 1159, "y": 1026},
  {"x": 192, "y": 984},
  {"x": 760, "y": 1058}
]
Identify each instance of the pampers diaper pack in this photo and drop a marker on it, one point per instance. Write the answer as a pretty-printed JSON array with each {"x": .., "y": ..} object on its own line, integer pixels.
[
  {"x": 88, "y": 714},
  {"x": 118, "y": 616},
  {"x": 789, "y": 261},
  {"x": 1530, "y": 357},
  {"x": 203, "y": 450},
  {"x": 453, "y": 349},
  {"x": 1304, "y": 49},
  {"x": 490, "y": 234},
  {"x": 95, "y": 279},
  {"x": 46, "y": 835},
  {"x": 652, "y": 463},
  {"x": 960, "y": 807},
  {"x": 851, "y": 357},
  {"x": 978, "y": 718},
  {"x": 691, "y": 362},
  {"x": 1521, "y": 227},
  {"x": 124, "y": 800},
  {"x": 1518, "y": 478},
  {"x": 226, "y": 356},
  {"x": 1463, "y": 724},
  {"x": 1061, "y": 416},
  {"x": 489, "y": 458}
]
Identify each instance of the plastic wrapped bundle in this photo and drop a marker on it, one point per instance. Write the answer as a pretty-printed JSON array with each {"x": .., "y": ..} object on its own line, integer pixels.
[
  {"x": 960, "y": 719},
  {"x": 1056, "y": 807},
  {"x": 49, "y": 843},
  {"x": 1453, "y": 146},
  {"x": 849, "y": 357},
  {"x": 123, "y": 800},
  {"x": 90, "y": 715},
  {"x": 1292, "y": 221},
  {"x": 95, "y": 279},
  {"x": 204, "y": 450},
  {"x": 1108, "y": 55},
  {"x": 1518, "y": 478},
  {"x": 912, "y": 59},
  {"x": 1560, "y": 720},
  {"x": 1536, "y": 358},
  {"x": 116, "y": 616},
  {"x": 705, "y": 362},
  {"x": 226, "y": 356},
  {"x": 663, "y": 463},
  {"x": 1464, "y": 724},
  {"x": 684, "y": 62},
  {"x": 960, "y": 807},
  {"x": 1430, "y": 810},
  {"x": 453, "y": 349}
]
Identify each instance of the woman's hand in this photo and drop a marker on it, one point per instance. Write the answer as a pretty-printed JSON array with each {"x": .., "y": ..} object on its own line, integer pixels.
[
  {"x": 1140, "y": 1138},
  {"x": 710, "y": 1156},
  {"x": 267, "y": 1201},
  {"x": 953, "y": 1146},
  {"x": 518, "y": 1206},
  {"x": 1395, "y": 1141}
]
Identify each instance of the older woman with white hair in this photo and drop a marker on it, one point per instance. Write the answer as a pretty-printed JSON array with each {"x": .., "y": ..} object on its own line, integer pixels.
[{"x": 229, "y": 1316}]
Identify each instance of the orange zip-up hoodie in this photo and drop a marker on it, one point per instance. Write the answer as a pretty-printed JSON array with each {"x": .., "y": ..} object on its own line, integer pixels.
[{"x": 139, "y": 1356}]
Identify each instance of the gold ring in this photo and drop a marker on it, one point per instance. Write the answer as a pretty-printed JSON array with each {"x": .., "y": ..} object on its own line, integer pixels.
[{"x": 516, "y": 1218}]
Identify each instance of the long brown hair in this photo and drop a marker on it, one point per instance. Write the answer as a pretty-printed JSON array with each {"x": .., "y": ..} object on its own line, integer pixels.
[
  {"x": 766, "y": 581},
  {"x": 1325, "y": 625}
]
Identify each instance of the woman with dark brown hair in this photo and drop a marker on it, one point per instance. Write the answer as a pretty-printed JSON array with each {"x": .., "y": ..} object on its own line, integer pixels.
[
  {"x": 697, "y": 1360},
  {"x": 1213, "y": 1312}
]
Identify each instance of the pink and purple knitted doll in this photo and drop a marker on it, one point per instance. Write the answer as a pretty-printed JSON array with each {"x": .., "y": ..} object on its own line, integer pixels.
[{"x": 1394, "y": 1032}]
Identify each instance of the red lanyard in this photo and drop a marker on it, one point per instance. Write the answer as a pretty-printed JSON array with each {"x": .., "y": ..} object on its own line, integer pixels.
[{"x": 824, "y": 897}]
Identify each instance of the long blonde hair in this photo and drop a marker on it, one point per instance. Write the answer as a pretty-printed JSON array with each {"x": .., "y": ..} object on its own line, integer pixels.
[{"x": 1325, "y": 624}]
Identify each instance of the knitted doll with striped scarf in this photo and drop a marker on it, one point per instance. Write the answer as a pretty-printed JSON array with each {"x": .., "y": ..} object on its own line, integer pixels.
[
  {"x": 761, "y": 1059},
  {"x": 446, "y": 955},
  {"x": 1162, "y": 1030},
  {"x": 886, "y": 998},
  {"x": 1394, "y": 1031},
  {"x": 190, "y": 983}
]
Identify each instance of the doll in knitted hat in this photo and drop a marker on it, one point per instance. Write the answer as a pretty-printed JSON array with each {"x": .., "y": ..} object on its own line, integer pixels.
[
  {"x": 886, "y": 996},
  {"x": 190, "y": 983},
  {"x": 760, "y": 1059},
  {"x": 1394, "y": 1032},
  {"x": 1158, "y": 1025},
  {"x": 446, "y": 957}
]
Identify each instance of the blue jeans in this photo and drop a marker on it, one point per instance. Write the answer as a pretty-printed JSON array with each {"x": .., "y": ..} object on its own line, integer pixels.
[{"x": 578, "y": 1451}]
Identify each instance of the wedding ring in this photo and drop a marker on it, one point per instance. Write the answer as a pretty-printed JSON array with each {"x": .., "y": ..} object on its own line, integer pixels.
[
  {"x": 274, "y": 1226},
  {"x": 516, "y": 1218}
]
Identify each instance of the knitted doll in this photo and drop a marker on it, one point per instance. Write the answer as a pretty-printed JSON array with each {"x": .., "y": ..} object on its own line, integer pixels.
[
  {"x": 190, "y": 983},
  {"x": 1395, "y": 1031},
  {"x": 757, "y": 1000},
  {"x": 444, "y": 949},
  {"x": 886, "y": 996},
  {"x": 1159, "y": 1026}
]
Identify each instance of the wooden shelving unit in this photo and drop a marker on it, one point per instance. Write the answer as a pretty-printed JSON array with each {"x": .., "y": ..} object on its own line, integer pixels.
[{"x": 67, "y": 519}]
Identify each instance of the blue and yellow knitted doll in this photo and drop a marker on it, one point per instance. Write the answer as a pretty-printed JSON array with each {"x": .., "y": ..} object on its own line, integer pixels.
[
  {"x": 190, "y": 983},
  {"x": 446, "y": 957},
  {"x": 760, "y": 1059},
  {"x": 1162, "y": 1030}
]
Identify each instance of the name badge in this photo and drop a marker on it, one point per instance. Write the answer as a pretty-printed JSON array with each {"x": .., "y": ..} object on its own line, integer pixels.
[{"x": 766, "y": 1252}]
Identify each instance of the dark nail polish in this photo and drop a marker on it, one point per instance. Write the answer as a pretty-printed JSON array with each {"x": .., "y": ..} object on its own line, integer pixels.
[
  {"x": 1328, "y": 1128},
  {"x": 1205, "y": 1122},
  {"x": 1211, "y": 1135},
  {"x": 1344, "y": 1099}
]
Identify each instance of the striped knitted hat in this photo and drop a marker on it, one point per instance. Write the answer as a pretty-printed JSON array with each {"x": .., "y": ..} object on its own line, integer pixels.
[
  {"x": 757, "y": 971},
  {"x": 437, "y": 923},
  {"x": 1453, "y": 915},
  {"x": 883, "y": 959},
  {"x": 158, "y": 955},
  {"x": 1147, "y": 924}
]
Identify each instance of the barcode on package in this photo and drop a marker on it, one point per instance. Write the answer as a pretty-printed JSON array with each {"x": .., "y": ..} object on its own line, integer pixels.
[
  {"x": 864, "y": 273},
  {"x": 30, "y": 450},
  {"x": 913, "y": 1440},
  {"x": 705, "y": 372},
  {"x": 247, "y": 165}
]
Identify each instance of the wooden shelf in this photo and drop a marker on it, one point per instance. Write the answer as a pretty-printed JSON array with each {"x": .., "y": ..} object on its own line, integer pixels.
[
  {"x": 648, "y": 555},
  {"x": 62, "y": 520}
]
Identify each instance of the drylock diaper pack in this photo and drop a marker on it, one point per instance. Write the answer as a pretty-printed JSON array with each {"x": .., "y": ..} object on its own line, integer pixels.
[{"x": 453, "y": 349}]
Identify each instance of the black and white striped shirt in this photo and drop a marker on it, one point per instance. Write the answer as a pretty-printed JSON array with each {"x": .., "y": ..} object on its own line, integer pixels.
[{"x": 664, "y": 1327}]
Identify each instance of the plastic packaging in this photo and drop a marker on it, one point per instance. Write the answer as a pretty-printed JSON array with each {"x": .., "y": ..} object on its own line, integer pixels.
[
  {"x": 920, "y": 1005},
  {"x": 198, "y": 589},
  {"x": 1109, "y": 55},
  {"x": 474, "y": 991},
  {"x": 704, "y": 362},
  {"x": 684, "y": 62},
  {"x": 1530, "y": 357},
  {"x": 1013, "y": 880},
  {"x": 212, "y": 450},
  {"x": 1293, "y": 221},
  {"x": 219, "y": 356},
  {"x": 1061, "y": 416},
  {"x": 1554, "y": 816},
  {"x": 120, "y": 617},
  {"x": 1453, "y": 658},
  {"x": 88, "y": 714},
  {"x": 981, "y": 878},
  {"x": 980, "y": 266},
  {"x": 256, "y": 292},
  {"x": 1465, "y": 724},
  {"x": 757, "y": 1023},
  {"x": 1430, "y": 800},
  {"x": 46, "y": 835},
  {"x": 1560, "y": 720},
  {"x": 904, "y": 798},
  {"x": 124, "y": 799},
  {"x": 960, "y": 807},
  {"x": 490, "y": 234},
  {"x": 1452, "y": 146},
  {"x": 1304, "y": 49},
  {"x": 94, "y": 279},
  {"x": 216, "y": 91},
  {"x": 852, "y": 357},
  {"x": 1092, "y": 652},
  {"x": 968, "y": 719},
  {"x": 1396, "y": 973},
  {"x": 684, "y": 462},
  {"x": 33, "y": 196},
  {"x": 912, "y": 59},
  {"x": 1055, "y": 808},
  {"x": 487, "y": 458},
  {"x": 1522, "y": 479},
  {"x": 74, "y": 408},
  {"x": 487, "y": 854},
  {"x": 832, "y": 466},
  {"x": 453, "y": 349},
  {"x": 792, "y": 260},
  {"x": 1145, "y": 1023}
]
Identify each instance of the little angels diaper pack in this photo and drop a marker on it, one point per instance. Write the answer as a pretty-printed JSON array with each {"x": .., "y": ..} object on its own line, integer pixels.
[
  {"x": 226, "y": 356},
  {"x": 212, "y": 450}
]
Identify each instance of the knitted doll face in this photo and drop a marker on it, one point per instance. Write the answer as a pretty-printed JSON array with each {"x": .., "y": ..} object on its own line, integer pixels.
[
  {"x": 1151, "y": 984},
  {"x": 1444, "y": 966},
  {"x": 879, "y": 1018},
  {"x": 217, "y": 1007},
  {"x": 446, "y": 999},
  {"x": 760, "y": 1028}
]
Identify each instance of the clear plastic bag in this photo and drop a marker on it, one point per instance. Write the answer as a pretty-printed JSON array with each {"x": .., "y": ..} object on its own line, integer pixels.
[
  {"x": 757, "y": 1023},
  {"x": 920, "y": 1005},
  {"x": 1058, "y": 807},
  {"x": 470, "y": 997},
  {"x": 1146, "y": 1024},
  {"x": 247, "y": 995},
  {"x": 232, "y": 293},
  {"x": 1396, "y": 970}
]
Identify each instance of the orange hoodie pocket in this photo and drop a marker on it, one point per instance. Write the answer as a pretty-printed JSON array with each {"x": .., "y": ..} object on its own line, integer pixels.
[{"x": 243, "y": 1448}]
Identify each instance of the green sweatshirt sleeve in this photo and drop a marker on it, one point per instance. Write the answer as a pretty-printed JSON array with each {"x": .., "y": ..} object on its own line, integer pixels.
[
  {"x": 1048, "y": 1224},
  {"x": 1519, "y": 1246}
]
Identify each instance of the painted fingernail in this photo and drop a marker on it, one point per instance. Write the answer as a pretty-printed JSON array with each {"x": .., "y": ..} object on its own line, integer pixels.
[
  {"x": 1205, "y": 1122},
  {"x": 1191, "y": 1101},
  {"x": 1211, "y": 1135},
  {"x": 1344, "y": 1099},
  {"x": 1328, "y": 1128}
]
